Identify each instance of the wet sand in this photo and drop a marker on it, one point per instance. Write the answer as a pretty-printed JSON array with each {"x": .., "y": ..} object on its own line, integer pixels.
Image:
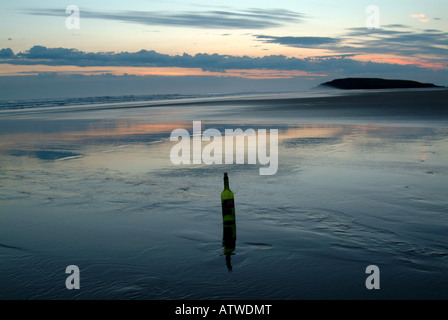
[{"x": 362, "y": 181}]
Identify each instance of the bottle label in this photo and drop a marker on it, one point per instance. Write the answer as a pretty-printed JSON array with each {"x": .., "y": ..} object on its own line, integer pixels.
[{"x": 228, "y": 206}]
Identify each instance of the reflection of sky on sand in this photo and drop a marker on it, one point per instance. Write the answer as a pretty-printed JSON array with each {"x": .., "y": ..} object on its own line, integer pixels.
[
  {"x": 345, "y": 196},
  {"x": 141, "y": 146}
]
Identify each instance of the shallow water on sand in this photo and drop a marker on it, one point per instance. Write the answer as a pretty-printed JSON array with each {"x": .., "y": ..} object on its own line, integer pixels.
[{"x": 104, "y": 195}]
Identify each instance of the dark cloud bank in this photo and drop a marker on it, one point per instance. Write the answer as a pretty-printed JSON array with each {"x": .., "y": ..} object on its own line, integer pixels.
[{"x": 40, "y": 55}]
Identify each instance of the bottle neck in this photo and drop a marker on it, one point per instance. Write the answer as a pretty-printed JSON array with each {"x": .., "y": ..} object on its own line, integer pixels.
[{"x": 226, "y": 183}]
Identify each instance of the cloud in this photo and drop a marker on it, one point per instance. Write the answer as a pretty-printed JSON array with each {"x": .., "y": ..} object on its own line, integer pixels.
[
  {"x": 221, "y": 64},
  {"x": 409, "y": 43},
  {"x": 299, "y": 42},
  {"x": 395, "y": 39},
  {"x": 143, "y": 58},
  {"x": 422, "y": 16},
  {"x": 395, "y": 26},
  {"x": 215, "y": 19},
  {"x": 386, "y": 30},
  {"x": 6, "y": 53}
]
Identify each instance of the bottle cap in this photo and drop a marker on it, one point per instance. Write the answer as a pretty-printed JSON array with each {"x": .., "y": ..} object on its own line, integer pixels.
[{"x": 225, "y": 174}]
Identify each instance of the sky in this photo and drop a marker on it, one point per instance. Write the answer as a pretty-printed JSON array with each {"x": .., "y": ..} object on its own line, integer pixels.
[{"x": 145, "y": 46}]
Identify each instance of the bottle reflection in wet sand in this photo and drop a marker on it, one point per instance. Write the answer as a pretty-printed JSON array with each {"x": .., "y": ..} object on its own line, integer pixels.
[
  {"x": 229, "y": 243},
  {"x": 228, "y": 221}
]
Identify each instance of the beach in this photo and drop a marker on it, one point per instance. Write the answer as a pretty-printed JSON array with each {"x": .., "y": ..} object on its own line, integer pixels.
[{"x": 362, "y": 180}]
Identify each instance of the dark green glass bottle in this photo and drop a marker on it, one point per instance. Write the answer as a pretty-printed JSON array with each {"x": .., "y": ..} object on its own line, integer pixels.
[
  {"x": 228, "y": 202},
  {"x": 228, "y": 218}
]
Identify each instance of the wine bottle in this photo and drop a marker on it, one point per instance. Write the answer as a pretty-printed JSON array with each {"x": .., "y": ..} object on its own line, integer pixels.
[
  {"x": 228, "y": 219},
  {"x": 228, "y": 203}
]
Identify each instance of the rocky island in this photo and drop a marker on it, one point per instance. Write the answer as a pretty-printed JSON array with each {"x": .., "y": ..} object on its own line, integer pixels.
[{"x": 375, "y": 83}]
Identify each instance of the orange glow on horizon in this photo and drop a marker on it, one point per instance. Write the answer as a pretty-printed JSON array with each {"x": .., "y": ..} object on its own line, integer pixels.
[
  {"x": 401, "y": 61},
  {"x": 14, "y": 70}
]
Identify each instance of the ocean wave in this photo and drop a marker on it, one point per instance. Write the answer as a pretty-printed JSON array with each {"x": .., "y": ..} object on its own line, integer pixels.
[{"x": 60, "y": 102}]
